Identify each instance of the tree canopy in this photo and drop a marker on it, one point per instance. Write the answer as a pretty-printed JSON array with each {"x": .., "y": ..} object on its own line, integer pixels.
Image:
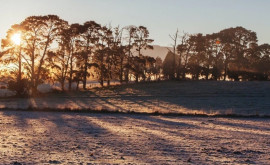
[{"x": 48, "y": 49}]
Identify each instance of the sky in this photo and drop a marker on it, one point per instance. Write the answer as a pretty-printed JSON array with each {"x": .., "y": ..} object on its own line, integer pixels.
[{"x": 161, "y": 17}]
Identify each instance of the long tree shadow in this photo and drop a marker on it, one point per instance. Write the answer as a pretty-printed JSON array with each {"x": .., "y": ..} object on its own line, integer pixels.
[
  {"x": 240, "y": 98},
  {"x": 103, "y": 138},
  {"x": 248, "y": 98}
]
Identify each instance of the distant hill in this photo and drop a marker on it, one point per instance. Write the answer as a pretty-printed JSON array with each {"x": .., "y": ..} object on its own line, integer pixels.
[{"x": 158, "y": 51}]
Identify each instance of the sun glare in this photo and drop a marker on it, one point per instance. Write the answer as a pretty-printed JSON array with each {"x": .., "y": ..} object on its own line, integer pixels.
[{"x": 16, "y": 38}]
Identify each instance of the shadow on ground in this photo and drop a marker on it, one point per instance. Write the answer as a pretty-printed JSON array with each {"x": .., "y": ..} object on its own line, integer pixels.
[
  {"x": 185, "y": 97},
  {"x": 72, "y": 138}
]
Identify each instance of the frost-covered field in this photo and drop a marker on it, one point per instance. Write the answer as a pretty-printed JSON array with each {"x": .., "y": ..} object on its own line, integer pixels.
[
  {"x": 32, "y": 137},
  {"x": 240, "y": 98},
  {"x": 73, "y": 138}
]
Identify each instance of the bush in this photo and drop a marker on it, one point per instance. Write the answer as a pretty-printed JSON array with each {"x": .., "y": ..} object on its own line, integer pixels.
[
  {"x": 3, "y": 87},
  {"x": 20, "y": 87}
]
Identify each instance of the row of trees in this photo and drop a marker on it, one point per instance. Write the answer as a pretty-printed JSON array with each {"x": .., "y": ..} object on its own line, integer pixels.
[
  {"x": 50, "y": 49},
  {"x": 232, "y": 53},
  {"x": 47, "y": 48}
]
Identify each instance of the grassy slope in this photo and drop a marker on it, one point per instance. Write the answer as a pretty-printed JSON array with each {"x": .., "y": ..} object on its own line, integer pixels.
[{"x": 186, "y": 97}]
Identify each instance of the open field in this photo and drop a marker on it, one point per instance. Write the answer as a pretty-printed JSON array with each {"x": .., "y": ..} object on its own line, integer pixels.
[
  {"x": 32, "y": 137},
  {"x": 202, "y": 97},
  {"x": 73, "y": 138}
]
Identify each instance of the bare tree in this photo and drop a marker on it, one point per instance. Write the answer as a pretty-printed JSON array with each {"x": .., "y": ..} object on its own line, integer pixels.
[
  {"x": 174, "y": 38},
  {"x": 182, "y": 50}
]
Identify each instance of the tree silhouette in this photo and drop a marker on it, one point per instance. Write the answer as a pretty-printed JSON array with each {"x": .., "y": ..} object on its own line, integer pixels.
[
  {"x": 174, "y": 38},
  {"x": 39, "y": 32},
  {"x": 52, "y": 50},
  {"x": 103, "y": 54},
  {"x": 181, "y": 50},
  {"x": 168, "y": 69},
  {"x": 238, "y": 40},
  {"x": 12, "y": 54},
  {"x": 90, "y": 37},
  {"x": 130, "y": 32},
  {"x": 142, "y": 41},
  {"x": 119, "y": 53}
]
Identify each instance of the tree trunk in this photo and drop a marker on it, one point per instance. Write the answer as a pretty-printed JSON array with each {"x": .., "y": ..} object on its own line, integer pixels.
[
  {"x": 184, "y": 75},
  {"x": 225, "y": 71},
  {"x": 179, "y": 66},
  {"x": 70, "y": 76},
  {"x": 63, "y": 85},
  {"x": 41, "y": 61},
  {"x": 77, "y": 86},
  {"x": 20, "y": 66},
  {"x": 34, "y": 90},
  {"x": 137, "y": 78},
  {"x": 128, "y": 61},
  {"x": 85, "y": 74},
  {"x": 207, "y": 72},
  {"x": 101, "y": 82},
  {"x": 121, "y": 71},
  {"x": 127, "y": 72},
  {"x": 33, "y": 76}
]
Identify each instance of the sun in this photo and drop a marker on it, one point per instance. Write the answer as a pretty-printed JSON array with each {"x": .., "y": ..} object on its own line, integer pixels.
[{"x": 16, "y": 38}]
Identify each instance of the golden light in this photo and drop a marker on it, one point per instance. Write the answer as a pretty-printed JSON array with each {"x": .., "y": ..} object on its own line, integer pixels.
[
  {"x": 16, "y": 38},
  {"x": 218, "y": 42}
]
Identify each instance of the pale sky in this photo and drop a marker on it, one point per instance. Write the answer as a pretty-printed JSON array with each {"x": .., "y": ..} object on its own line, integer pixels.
[{"x": 161, "y": 17}]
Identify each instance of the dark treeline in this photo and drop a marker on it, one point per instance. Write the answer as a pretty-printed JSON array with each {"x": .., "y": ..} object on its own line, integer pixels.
[
  {"x": 51, "y": 50},
  {"x": 231, "y": 54}
]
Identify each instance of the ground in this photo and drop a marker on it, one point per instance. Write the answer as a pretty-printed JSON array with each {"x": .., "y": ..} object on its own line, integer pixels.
[
  {"x": 185, "y": 97},
  {"x": 73, "y": 138},
  {"x": 144, "y": 137}
]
